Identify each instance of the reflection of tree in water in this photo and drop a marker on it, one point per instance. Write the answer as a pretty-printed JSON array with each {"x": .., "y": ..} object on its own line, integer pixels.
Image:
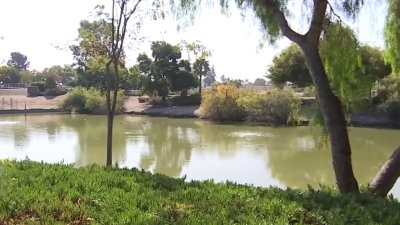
[
  {"x": 298, "y": 166},
  {"x": 170, "y": 145},
  {"x": 28, "y": 125},
  {"x": 91, "y": 131}
]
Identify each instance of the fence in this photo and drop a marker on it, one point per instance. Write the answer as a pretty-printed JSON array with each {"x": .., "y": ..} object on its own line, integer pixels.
[
  {"x": 12, "y": 86},
  {"x": 11, "y": 103}
]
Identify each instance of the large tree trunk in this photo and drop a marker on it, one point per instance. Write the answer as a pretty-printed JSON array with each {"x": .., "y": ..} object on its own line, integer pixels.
[
  {"x": 110, "y": 121},
  {"x": 334, "y": 119},
  {"x": 387, "y": 176}
]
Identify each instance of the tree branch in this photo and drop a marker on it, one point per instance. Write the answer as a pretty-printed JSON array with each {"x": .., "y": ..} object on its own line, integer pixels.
[
  {"x": 317, "y": 21},
  {"x": 333, "y": 12},
  {"x": 280, "y": 19}
]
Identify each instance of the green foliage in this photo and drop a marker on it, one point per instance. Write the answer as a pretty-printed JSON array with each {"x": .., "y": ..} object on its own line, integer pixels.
[
  {"x": 388, "y": 97},
  {"x": 37, "y": 193},
  {"x": 289, "y": 66},
  {"x": 309, "y": 91},
  {"x": 229, "y": 102},
  {"x": 392, "y": 35},
  {"x": 201, "y": 67},
  {"x": 18, "y": 61},
  {"x": 221, "y": 104},
  {"x": 276, "y": 106},
  {"x": 373, "y": 63},
  {"x": 41, "y": 85},
  {"x": 90, "y": 100},
  {"x": 339, "y": 41},
  {"x": 9, "y": 74},
  {"x": 165, "y": 72}
]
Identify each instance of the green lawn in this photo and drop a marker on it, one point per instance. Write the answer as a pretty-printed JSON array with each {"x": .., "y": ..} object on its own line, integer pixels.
[{"x": 36, "y": 193}]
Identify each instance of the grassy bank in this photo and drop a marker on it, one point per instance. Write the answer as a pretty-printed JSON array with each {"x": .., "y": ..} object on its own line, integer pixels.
[{"x": 35, "y": 193}]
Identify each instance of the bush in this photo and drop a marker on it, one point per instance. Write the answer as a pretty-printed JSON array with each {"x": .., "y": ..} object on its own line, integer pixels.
[
  {"x": 309, "y": 91},
  {"x": 220, "y": 104},
  {"x": 193, "y": 99},
  {"x": 276, "y": 106},
  {"x": 89, "y": 100},
  {"x": 56, "y": 91},
  {"x": 76, "y": 99},
  {"x": 228, "y": 102},
  {"x": 40, "y": 85}
]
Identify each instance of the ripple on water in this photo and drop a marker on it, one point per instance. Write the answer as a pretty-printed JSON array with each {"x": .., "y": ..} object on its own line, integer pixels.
[{"x": 244, "y": 134}]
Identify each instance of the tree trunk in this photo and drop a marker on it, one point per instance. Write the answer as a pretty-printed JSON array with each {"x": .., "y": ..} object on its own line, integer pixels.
[
  {"x": 200, "y": 84},
  {"x": 110, "y": 121},
  {"x": 387, "y": 176},
  {"x": 334, "y": 119}
]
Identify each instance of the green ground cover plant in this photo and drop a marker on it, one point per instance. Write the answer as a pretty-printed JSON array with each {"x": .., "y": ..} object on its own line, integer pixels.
[{"x": 39, "y": 193}]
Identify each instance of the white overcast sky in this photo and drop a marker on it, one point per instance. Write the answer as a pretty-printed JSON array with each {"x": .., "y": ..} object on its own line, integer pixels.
[{"x": 35, "y": 28}]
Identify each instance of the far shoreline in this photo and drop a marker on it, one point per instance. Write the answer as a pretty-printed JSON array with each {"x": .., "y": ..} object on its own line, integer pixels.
[
  {"x": 189, "y": 112},
  {"x": 17, "y": 102}
]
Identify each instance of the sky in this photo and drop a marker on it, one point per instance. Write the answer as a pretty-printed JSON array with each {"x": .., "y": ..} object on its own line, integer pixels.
[{"x": 43, "y": 29}]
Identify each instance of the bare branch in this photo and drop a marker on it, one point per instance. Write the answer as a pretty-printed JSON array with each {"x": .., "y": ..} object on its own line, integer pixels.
[{"x": 333, "y": 12}]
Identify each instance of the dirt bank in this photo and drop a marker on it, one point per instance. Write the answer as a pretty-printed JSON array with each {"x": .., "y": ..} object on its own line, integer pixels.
[{"x": 133, "y": 106}]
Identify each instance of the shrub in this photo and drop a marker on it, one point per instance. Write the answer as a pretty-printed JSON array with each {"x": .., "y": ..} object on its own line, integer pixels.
[
  {"x": 276, "y": 106},
  {"x": 309, "y": 91},
  {"x": 56, "y": 91},
  {"x": 89, "y": 100},
  {"x": 220, "y": 104},
  {"x": 76, "y": 99},
  {"x": 40, "y": 85},
  {"x": 193, "y": 99}
]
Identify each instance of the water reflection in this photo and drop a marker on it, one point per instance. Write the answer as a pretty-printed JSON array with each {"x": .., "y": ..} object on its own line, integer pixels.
[
  {"x": 199, "y": 149},
  {"x": 91, "y": 143}
]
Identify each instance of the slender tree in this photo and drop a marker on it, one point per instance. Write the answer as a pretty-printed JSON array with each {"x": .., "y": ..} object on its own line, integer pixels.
[
  {"x": 272, "y": 15},
  {"x": 122, "y": 12},
  {"x": 201, "y": 65}
]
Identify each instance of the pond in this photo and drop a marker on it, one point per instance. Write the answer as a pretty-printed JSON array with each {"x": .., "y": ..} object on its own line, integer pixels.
[{"x": 263, "y": 156}]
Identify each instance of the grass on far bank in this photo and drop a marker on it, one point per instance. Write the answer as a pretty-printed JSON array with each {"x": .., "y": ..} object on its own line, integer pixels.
[{"x": 37, "y": 193}]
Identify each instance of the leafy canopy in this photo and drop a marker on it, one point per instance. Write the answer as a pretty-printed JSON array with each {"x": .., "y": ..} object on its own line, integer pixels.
[{"x": 392, "y": 35}]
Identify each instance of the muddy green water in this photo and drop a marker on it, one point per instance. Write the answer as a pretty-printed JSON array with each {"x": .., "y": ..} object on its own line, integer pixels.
[{"x": 263, "y": 156}]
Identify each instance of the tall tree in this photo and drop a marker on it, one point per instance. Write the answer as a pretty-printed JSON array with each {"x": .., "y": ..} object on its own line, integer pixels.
[
  {"x": 122, "y": 12},
  {"x": 273, "y": 17},
  {"x": 90, "y": 53},
  {"x": 18, "y": 61},
  {"x": 289, "y": 66},
  {"x": 166, "y": 71},
  {"x": 201, "y": 65},
  {"x": 210, "y": 77},
  {"x": 260, "y": 82}
]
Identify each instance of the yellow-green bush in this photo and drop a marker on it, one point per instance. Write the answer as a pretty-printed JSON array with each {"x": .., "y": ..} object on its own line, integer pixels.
[
  {"x": 220, "y": 104},
  {"x": 276, "y": 106},
  {"x": 228, "y": 102},
  {"x": 90, "y": 100}
]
